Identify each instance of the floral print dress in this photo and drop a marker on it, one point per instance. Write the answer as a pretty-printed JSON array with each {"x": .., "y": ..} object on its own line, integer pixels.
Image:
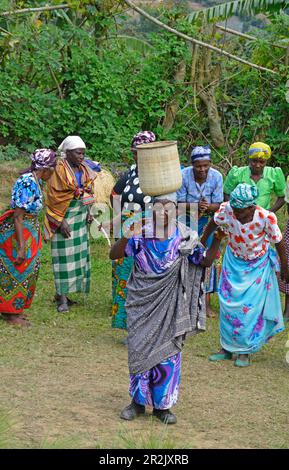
[
  {"x": 250, "y": 306},
  {"x": 18, "y": 282}
]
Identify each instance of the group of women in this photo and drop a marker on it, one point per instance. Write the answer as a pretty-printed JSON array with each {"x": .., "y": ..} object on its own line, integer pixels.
[
  {"x": 160, "y": 275},
  {"x": 159, "y": 282},
  {"x": 69, "y": 195}
]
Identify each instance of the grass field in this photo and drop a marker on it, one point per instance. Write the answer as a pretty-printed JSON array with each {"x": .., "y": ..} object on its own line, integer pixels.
[{"x": 64, "y": 382}]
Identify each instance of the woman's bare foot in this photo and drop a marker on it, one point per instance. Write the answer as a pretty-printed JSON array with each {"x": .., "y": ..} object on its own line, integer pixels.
[
  {"x": 210, "y": 312},
  {"x": 16, "y": 320}
]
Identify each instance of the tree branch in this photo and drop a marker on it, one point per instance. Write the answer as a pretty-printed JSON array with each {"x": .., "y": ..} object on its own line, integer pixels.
[
  {"x": 245, "y": 36},
  {"x": 31, "y": 10},
  {"x": 196, "y": 41}
]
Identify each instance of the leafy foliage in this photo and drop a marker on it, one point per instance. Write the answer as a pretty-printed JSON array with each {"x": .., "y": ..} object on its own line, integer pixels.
[
  {"x": 94, "y": 71},
  {"x": 240, "y": 7}
]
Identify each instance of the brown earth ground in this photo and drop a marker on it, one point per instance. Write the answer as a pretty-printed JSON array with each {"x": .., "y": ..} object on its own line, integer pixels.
[{"x": 65, "y": 380}]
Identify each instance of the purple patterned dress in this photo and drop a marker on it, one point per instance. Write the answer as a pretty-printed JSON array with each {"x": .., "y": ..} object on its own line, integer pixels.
[{"x": 159, "y": 386}]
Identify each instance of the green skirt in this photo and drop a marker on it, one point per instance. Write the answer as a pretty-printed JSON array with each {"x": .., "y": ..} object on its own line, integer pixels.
[{"x": 70, "y": 256}]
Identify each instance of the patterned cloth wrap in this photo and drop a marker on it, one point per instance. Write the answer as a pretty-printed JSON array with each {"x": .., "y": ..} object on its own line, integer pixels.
[
  {"x": 243, "y": 196},
  {"x": 201, "y": 153},
  {"x": 18, "y": 282},
  {"x": 42, "y": 159},
  {"x": 259, "y": 150},
  {"x": 250, "y": 305},
  {"x": 143, "y": 137}
]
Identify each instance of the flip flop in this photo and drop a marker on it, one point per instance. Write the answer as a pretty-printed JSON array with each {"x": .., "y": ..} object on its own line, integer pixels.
[
  {"x": 62, "y": 308},
  {"x": 227, "y": 356}
]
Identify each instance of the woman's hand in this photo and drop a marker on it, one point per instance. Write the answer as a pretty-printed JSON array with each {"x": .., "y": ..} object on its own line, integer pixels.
[
  {"x": 220, "y": 234},
  {"x": 20, "y": 256},
  {"x": 65, "y": 229},
  {"x": 89, "y": 219}
]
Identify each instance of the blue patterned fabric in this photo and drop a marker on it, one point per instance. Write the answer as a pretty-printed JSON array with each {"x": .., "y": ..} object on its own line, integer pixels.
[
  {"x": 152, "y": 254},
  {"x": 244, "y": 195},
  {"x": 250, "y": 306},
  {"x": 26, "y": 194},
  {"x": 159, "y": 386},
  {"x": 211, "y": 189}
]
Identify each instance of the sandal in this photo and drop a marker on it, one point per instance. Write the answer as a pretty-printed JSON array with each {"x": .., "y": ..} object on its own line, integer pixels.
[
  {"x": 240, "y": 363},
  {"x": 220, "y": 357},
  {"x": 62, "y": 308}
]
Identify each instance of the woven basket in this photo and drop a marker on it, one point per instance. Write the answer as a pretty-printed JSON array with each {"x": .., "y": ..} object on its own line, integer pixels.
[{"x": 159, "y": 168}]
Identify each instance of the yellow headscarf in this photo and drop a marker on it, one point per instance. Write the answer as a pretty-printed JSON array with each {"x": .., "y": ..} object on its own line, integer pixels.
[{"x": 259, "y": 150}]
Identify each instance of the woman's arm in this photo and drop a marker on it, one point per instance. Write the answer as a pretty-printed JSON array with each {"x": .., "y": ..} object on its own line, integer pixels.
[
  {"x": 281, "y": 250},
  {"x": 212, "y": 251},
  {"x": 117, "y": 250},
  {"x": 278, "y": 204},
  {"x": 18, "y": 223},
  {"x": 210, "y": 228}
]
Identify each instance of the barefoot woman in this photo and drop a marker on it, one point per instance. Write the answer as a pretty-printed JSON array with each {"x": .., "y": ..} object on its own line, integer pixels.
[{"x": 20, "y": 239}]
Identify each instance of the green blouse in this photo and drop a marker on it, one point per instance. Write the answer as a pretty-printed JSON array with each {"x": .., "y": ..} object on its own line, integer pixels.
[{"x": 272, "y": 182}]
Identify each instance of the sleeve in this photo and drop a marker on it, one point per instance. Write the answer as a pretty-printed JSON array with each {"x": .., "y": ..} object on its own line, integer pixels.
[
  {"x": 182, "y": 192},
  {"x": 120, "y": 184},
  {"x": 279, "y": 182},
  {"x": 218, "y": 194},
  {"x": 24, "y": 193},
  {"x": 272, "y": 229},
  {"x": 231, "y": 180},
  {"x": 132, "y": 248},
  {"x": 221, "y": 215},
  {"x": 287, "y": 191}
]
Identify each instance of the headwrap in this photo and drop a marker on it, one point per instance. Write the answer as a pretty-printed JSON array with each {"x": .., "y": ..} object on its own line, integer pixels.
[
  {"x": 41, "y": 159},
  {"x": 71, "y": 142},
  {"x": 143, "y": 137},
  {"x": 259, "y": 150},
  {"x": 244, "y": 195},
  {"x": 201, "y": 153}
]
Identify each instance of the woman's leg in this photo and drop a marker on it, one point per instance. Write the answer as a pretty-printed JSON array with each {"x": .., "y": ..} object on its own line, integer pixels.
[
  {"x": 165, "y": 383},
  {"x": 286, "y": 310}
]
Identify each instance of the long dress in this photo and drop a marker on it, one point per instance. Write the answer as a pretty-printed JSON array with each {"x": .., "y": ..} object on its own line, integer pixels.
[
  {"x": 250, "y": 306},
  {"x": 131, "y": 194},
  {"x": 18, "y": 282}
]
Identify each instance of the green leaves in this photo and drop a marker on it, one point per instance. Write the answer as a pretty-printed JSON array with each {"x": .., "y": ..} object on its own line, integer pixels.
[{"x": 225, "y": 10}]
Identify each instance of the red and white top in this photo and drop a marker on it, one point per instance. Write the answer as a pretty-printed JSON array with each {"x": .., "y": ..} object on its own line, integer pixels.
[{"x": 251, "y": 240}]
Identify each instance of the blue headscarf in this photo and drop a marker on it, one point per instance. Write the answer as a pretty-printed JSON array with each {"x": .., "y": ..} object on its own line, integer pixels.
[
  {"x": 244, "y": 195},
  {"x": 201, "y": 153}
]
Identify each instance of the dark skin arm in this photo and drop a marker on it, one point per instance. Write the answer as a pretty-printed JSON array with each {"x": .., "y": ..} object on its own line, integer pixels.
[
  {"x": 281, "y": 250},
  {"x": 226, "y": 197},
  {"x": 212, "y": 251},
  {"x": 278, "y": 204},
  {"x": 18, "y": 223},
  {"x": 210, "y": 228},
  {"x": 117, "y": 251},
  {"x": 65, "y": 229}
]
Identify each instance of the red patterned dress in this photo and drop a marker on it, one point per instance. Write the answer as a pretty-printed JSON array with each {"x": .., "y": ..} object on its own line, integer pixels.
[{"x": 18, "y": 282}]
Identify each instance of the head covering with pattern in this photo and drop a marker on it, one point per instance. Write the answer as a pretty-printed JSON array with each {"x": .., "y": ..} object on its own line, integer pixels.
[{"x": 244, "y": 195}]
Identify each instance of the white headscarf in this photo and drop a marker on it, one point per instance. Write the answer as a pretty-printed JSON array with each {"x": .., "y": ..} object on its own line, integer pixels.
[{"x": 70, "y": 143}]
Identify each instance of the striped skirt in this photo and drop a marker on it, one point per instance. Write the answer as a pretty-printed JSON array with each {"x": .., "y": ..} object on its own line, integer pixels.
[{"x": 71, "y": 256}]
